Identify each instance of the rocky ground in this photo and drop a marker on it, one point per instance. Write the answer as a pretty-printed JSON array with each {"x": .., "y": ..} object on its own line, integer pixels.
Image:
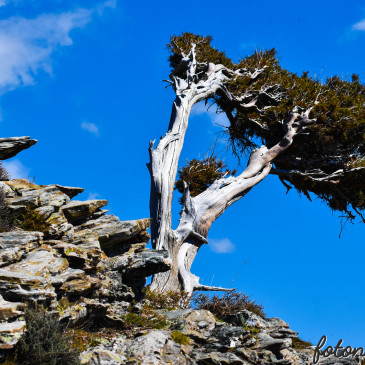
[{"x": 87, "y": 266}]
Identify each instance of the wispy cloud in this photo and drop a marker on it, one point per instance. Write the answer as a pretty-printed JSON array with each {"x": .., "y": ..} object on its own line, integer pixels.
[
  {"x": 360, "y": 26},
  {"x": 16, "y": 169},
  {"x": 216, "y": 119},
  {"x": 90, "y": 127},
  {"x": 5, "y": 2},
  {"x": 26, "y": 45},
  {"x": 93, "y": 196},
  {"x": 221, "y": 246}
]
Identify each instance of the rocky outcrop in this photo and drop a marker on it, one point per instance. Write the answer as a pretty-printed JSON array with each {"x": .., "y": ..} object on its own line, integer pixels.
[
  {"x": 84, "y": 262},
  {"x": 9, "y": 147},
  {"x": 88, "y": 265},
  {"x": 208, "y": 341}
]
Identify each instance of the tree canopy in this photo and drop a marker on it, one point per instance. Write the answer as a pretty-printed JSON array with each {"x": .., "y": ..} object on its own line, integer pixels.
[
  {"x": 307, "y": 131},
  {"x": 327, "y": 155}
]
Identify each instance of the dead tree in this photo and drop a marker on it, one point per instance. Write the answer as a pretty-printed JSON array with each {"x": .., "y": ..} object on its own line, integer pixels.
[{"x": 261, "y": 100}]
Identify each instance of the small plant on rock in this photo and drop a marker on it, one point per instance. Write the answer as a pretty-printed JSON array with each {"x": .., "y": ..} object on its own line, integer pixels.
[
  {"x": 228, "y": 304},
  {"x": 169, "y": 300},
  {"x": 299, "y": 344},
  {"x": 148, "y": 319},
  {"x": 4, "y": 175},
  {"x": 6, "y": 217},
  {"x": 180, "y": 338},
  {"x": 31, "y": 220},
  {"x": 44, "y": 341}
]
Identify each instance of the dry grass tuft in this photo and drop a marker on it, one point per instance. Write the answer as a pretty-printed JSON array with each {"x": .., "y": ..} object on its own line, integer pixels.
[{"x": 228, "y": 304}]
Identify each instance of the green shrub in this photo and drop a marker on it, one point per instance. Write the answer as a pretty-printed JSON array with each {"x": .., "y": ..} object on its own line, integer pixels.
[
  {"x": 148, "y": 319},
  {"x": 4, "y": 176},
  {"x": 44, "y": 342},
  {"x": 200, "y": 174},
  {"x": 299, "y": 344},
  {"x": 252, "y": 329},
  {"x": 30, "y": 220},
  {"x": 228, "y": 304},
  {"x": 168, "y": 300},
  {"x": 6, "y": 217},
  {"x": 180, "y": 338}
]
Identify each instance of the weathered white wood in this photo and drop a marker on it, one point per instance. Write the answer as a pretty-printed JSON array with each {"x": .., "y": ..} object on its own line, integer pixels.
[{"x": 200, "y": 212}]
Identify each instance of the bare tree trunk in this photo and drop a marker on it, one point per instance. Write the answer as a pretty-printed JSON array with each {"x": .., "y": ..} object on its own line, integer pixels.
[{"x": 201, "y": 211}]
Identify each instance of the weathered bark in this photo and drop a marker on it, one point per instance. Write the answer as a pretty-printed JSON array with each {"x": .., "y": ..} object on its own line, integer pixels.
[{"x": 201, "y": 211}]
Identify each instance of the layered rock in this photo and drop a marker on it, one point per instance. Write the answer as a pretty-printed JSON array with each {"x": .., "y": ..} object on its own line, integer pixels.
[
  {"x": 254, "y": 342},
  {"x": 88, "y": 264},
  {"x": 84, "y": 263},
  {"x": 10, "y": 147}
]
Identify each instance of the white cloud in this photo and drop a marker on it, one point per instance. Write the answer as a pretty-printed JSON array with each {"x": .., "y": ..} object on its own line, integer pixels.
[
  {"x": 90, "y": 127},
  {"x": 221, "y": 246},
  {"x": 216, "y": 119},
  {"x": 4, "y": 2},
  {"x": 359, "y": 26},
  {"x": 93, "y": 196},
  {"x": 26, "y": 45},
  {"x": 16, "y": 169}
]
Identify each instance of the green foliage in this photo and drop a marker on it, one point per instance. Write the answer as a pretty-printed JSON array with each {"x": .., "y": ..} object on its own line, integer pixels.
[
  {"x": 200, "y": 174},
  {"x": 44, "y": 342},
  {"x": 147, "y": 320},
  {"x": 252, "y": 329},
  {"x": 30, "y": 220},
  {"x": 336, "y": 141},
  {"x": 4, "y": 176},
  {"x": 6, "y": 216},
  {"x": 299, "y": 344},
  {"x": 81, "y": 339},
  {"x": 180, "y": 338},
  {"x": 181, "y": 45},
  {"x": 228, "y": 304},
  {"x": 169, "y": 300}
]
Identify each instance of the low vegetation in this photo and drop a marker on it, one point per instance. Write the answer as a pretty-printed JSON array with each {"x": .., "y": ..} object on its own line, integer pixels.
[
  {"x": 228, "y": 304},
  {"x": 169, "y": 300},
  {"x": 145, "y": 320},
  {"x": 6, "y": 217},
  {"x": 180, "y": 338},
  {"x": 31, "y": 220},
  {"x": 28, "y": 220},
  {"x": 44, "y": 342},
  {"x": 252, "y": 329},
  {"x": 4, "y": 175},
  {"x": 299, "y": 344}
]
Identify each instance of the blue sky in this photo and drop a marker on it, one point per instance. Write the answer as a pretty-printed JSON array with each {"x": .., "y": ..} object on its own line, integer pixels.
[{"x": 84, "y": 78}]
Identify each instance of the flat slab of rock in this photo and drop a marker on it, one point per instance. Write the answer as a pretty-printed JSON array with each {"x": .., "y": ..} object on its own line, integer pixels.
[
  {"x": 10, "y": 147},
  {"x": 112, "y": 232},
  {"x": 31, "y": 278},
  {"x": 78, "y": 210},
  {"x": 39, "y": 197},
  {"x": 69, "y": 190},
  {"x": 81, "y": 286},
  {"x": 10, "y": 333},
  {"x": 218, "y": 358},
  {"x": 10, "y": 310},
  {"x": 19, "y": 185},
  {"x": 157, "y": 348},
  {"x": 15, "y": 245},
  {"x": 142, "y": 264},
  {"x": 101, "y": 356},
  {"x": 15, "y": 286}
]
